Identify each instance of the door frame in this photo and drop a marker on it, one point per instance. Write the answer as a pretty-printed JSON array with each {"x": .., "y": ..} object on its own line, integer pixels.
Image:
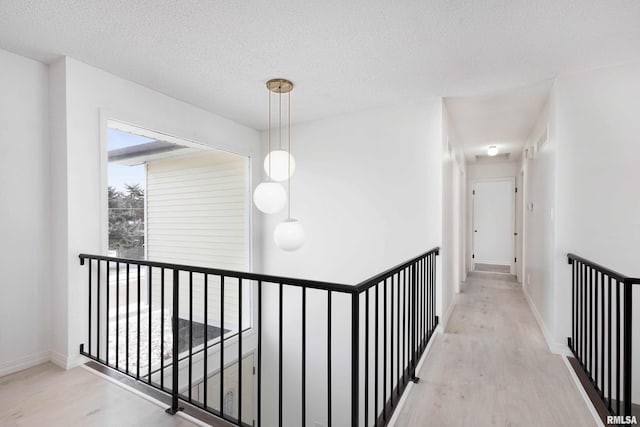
[{"x": 512, "y": 180}]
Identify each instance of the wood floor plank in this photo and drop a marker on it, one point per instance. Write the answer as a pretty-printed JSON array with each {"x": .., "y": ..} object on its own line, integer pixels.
[
  {"x": 492, "y": 367},
  {"x": 49, "y": 396}
]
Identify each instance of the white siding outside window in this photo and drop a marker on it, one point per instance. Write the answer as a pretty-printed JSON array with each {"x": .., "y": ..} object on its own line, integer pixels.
[{"x": 197, "y": 215}]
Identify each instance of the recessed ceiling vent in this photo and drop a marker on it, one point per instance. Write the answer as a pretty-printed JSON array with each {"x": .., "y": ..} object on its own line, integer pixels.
[
  {"x": 542, "y": 140},
  {"x": 503, "y": 157}
]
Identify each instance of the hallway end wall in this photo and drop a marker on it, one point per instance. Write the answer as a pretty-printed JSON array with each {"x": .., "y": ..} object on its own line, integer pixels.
[{"x": 479, "y": 172}]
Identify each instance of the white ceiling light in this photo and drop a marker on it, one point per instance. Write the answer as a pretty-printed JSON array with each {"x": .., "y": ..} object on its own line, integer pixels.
[
  {"x": 493, "y": 150},
  {"x": 269, "y": 197},
  {"x": 279, "y": 165},
  {"x": 276, "y": 165}
]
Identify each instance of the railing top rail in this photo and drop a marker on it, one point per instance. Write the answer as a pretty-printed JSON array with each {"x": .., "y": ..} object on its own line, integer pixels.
[
  {"x": 370, "y": 282},
  {"x": 337, "y": 287},
  {"x": 611, "y": 273}
]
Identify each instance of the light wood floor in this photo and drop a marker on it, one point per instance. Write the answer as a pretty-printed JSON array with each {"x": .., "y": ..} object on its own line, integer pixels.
[
  {"x": 492, "y": 367},
  {"x": 49, "y": 396}
]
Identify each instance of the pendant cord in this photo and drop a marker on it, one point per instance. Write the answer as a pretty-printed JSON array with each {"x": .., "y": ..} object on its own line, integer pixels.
[
  {"x": 289, "y": 157},
  {"x": 280, "y": 118},
  {"x": 269, "y": 153}
]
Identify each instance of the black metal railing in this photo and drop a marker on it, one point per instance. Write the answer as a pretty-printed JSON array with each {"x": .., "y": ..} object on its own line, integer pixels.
[
  {"x": 601, "y": 336},
  {"x": 217, "y": 328}
]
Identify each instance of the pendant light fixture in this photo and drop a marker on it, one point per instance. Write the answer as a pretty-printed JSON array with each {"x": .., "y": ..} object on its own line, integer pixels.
[
  {"x": 288, "y": 235},
  {"x": 270, "y": 197}
]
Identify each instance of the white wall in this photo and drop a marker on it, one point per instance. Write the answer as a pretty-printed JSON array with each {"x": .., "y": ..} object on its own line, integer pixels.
[
  {"x": 92, "y": 97},
  {"x": 368, "y": 190},
  {"x": 584, "y": 187},
  {"x": 24, "y": 213},
  {"x": 453, "y": 170},
  {"x": 539, "y": 228},
  {"x": 598, "y": 192}
]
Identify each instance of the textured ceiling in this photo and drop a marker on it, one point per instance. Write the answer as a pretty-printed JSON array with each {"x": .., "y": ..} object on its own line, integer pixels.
[
  {"x": 503, "y": 119},
  {"x": 342, "y": 55}
]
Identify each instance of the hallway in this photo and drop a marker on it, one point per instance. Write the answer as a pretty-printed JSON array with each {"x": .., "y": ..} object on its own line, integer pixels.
[{"x": 492, "y": 367}]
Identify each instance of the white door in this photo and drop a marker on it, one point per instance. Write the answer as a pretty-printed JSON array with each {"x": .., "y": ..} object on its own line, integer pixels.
[{"x": 493, "y": 222}]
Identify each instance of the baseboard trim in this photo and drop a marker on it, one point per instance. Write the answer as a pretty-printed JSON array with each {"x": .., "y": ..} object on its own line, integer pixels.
[
  {"x": 24, "y": 363},
  {"x": 403, "y": 399},
  {"x": 582, "y": 392},
  {"x": 59, "y": 359},
  {"x": 554, "y": 347},
  {"x": 447, "y": 315}
]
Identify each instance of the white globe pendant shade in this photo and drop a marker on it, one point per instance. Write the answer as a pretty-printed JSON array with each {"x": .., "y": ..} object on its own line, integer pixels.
[
  {"x": 279, "y": 165},
  {"x": 270, "y": 197},
  {"x": 289, "y": 235}
]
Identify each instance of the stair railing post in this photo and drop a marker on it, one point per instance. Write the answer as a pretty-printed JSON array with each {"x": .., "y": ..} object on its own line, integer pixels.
[
  {"x": 355, "y": 358},
  {"x": 175, "y": 326}
]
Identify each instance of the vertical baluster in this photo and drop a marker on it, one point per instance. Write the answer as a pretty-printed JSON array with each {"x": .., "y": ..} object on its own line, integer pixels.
[
  {"x": 425, "y": 306},
  {"x": 397, "y": 286},
  {"x": 427, "y": 298},
  {"x": 414, "y": 320},
  {"x": 404, "y": 326},
  {"x": 240, "y": 352},
  {"x": 138, "y": 330},
  {"x": 583, "y": 321},
  {"x": 190, "y": 335},
  {"x": 117, "y": 315},
  {"x": 573, "y": 303},
  {"x": 98, "y": 311},
  {"x": 175, "y": 328},
  {"x": 259, "y": 415},
  {"x": 222, "y": 346},
  {"x": 419, "y": 309},
  {"x": 366, "y": 358},
  {"x": 384, "y": 352},
  {"x": 107, "y": 346},
  {"x": 433, "y": 289},
  {"x": 391, "y": 344},
  {"x": 609, "y": 372},
  {"x": 162, "y": 329},
  {"x": 628, "y": 342},
  {"x": 375, "y": 357},
  {"x": 355, "y": 358},
  {"x": 126, "y": 345},
  {"x": 205, "y": 339},
  {"x": 329, "y": 394},
  {"x": 90, "y": 301},
  {"x": 280, "y": 321},
  {"x": 618, "y": 348},
  {"x": 602, "y": 346},
  {"x": 304, "y": 356},
  {"x": 150, "y": 312},
  {"x": 583, "y": 304},
  {"x": 594, "y": 333}
]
